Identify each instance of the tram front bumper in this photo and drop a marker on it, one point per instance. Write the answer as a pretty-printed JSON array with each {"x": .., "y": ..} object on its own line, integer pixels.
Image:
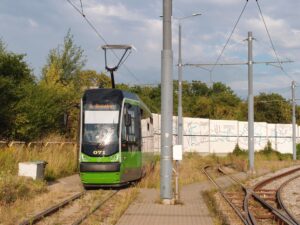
[
  {"x": 100, "y": 173},
  {"x": 100, "y": 167}
]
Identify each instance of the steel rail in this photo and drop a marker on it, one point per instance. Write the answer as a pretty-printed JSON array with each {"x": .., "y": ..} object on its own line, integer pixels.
[
  {"x": 237, "y": 211},
  {"x": 249, "y": 216},
  {"x": 51, "y": 210},
  {"x": 280, "y": 201},
  {"x": 275, "y": 211},
  {"x": 62, "y": 204},
  {"x": 80, "y": 220},
  {"x": 251, "y": 192},
  {"x": 271, "y": 179},
  {"x": 285, "y": 218}
]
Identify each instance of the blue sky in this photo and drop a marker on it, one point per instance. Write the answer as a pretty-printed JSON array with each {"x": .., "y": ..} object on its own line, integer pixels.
[{"x": 34, "y": 27}]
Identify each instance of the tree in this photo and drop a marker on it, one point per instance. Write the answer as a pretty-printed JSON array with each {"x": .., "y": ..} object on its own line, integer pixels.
[
  {"x": 216, "y": 102},
  {"x": 64, "y": 65},
  {"x": 42, "y": 112},
  {"x": 199, "y": 88},
  {"x": 63, "y": 75},
  {"x": 90, "y": 78},
  {"x": 272, "y": 108},
  {"x": 2, "y": 46},
  {"x": 15, "y": 79}
]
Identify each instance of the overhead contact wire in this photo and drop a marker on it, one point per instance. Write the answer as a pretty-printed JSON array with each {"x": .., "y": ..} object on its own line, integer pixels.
[
  {"x": 98, "y": 34},
  {"x": 81, "y": 7},
  {"x": 271, "y": 41},
  {"x": 227, "y": 42}
]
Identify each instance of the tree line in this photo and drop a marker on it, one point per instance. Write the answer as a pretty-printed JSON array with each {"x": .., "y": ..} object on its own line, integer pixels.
[{"x": 32, "y": 108}]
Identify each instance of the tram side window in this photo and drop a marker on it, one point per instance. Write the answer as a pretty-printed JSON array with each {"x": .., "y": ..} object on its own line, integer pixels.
[
  {"x": 128, "y": 133},
  {"x": 138, "y": 128},
  {"x": 131, "y": 129},
  {"x": 124, "y": 134},
  {"x": 132, "y": 134}
]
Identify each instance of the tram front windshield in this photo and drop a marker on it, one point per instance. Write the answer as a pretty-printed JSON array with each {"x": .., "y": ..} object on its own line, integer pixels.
[{"x": 101, "y": 124}]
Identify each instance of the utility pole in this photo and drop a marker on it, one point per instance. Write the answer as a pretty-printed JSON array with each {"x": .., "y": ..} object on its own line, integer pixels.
[
  {"x": 180, "y": 120},
  {"x": 250, "y": 104},
  {"x": 294, "y": 120},
  {"x": 166, "y": 106},
  {"x": 250, "y": 92}
]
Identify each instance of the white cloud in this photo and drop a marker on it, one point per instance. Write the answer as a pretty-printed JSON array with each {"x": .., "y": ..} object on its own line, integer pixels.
[
  {"x": 108, "y": 11},
  {"x": 280, "y": 31},
  {"x": 151, "y": 32},
  {"x": 138, "y": 23},
  {"x": 32, "y": 23},
  {"x": 225, "y": 2}
]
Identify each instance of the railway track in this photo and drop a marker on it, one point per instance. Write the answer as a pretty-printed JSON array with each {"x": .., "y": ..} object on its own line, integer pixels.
[
  {"x": 76, "y": 217},
  {"x": 269, "y": 190},
  {"x": 260, "y": 204},
  {"x": 281, "y": 203},
  {"x": 49, "y": 215},
  {"x": 232, "y": 198}
]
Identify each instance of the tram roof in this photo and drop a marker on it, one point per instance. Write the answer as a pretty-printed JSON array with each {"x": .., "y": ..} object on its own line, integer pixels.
[
  {"x": 114, "y": 92},
  {"x": 93, "y": 94}
]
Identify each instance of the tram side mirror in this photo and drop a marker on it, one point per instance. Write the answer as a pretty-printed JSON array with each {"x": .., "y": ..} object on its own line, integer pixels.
[{"x": 127, "y": 120}]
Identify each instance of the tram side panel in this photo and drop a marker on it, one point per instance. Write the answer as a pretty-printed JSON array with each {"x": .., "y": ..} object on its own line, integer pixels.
[
  {"x": 131, "y": 142},
  {"x": 147, "y": 140}
]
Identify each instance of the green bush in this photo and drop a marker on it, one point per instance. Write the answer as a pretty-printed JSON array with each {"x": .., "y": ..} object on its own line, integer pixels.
[
  {"x": 271, "y": 154},
  {"x": 237, "y": 151},
  {"x": 298, "y": 151},
  {"x": 267, "y": 149}
]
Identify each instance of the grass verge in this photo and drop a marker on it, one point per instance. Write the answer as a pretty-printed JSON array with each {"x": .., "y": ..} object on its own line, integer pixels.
[
  {"x": 114, "y": 208},
  {"x": 60, "y": 162},
  {"x": 212, "y": 205}
]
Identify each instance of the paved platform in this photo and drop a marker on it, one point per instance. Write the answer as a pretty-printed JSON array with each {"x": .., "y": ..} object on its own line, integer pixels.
[{"x": 145, "y": 210}]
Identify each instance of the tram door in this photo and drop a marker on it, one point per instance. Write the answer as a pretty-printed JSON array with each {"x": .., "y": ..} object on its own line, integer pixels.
[{"x": 131, "y": 142}]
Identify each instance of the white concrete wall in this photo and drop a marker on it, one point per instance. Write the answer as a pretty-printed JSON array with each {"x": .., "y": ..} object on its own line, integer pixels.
[{"x": 221, "y": 136}]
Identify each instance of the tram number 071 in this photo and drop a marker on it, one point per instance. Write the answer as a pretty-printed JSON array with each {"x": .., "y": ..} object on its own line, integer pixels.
[{"x": 98, "y": 152}]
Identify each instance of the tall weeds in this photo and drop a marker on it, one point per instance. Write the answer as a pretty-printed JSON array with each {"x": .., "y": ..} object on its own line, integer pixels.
[{"x": 61, "y": 161}]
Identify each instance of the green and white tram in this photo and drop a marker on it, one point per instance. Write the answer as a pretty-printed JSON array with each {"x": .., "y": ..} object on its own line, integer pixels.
[{"x": 116, "y": 137}]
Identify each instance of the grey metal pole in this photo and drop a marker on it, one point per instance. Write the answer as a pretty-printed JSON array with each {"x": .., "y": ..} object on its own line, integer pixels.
[
  {"x": 180, "y": 67},
  {"x": 250, "y": 104},
  {"x": 166, "y": 106},
  {"x": 179, "y": 118},
  {"x": 180, "y": 123},
  {"x": 294, "y": 121}
]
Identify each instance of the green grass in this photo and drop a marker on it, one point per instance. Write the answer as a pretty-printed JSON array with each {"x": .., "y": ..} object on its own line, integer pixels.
[
  {"x": 213, "y": 205},
  {"x": 298, "y": 151}
]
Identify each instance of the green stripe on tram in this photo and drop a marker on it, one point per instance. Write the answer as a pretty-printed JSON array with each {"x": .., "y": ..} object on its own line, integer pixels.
[
  {"x": 100, "y": 177},
  {"x": 113, "y": 158}
]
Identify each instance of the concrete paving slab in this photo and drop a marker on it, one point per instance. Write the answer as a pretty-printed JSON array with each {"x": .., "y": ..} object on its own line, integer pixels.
[{"x": 147, "y": 211}]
